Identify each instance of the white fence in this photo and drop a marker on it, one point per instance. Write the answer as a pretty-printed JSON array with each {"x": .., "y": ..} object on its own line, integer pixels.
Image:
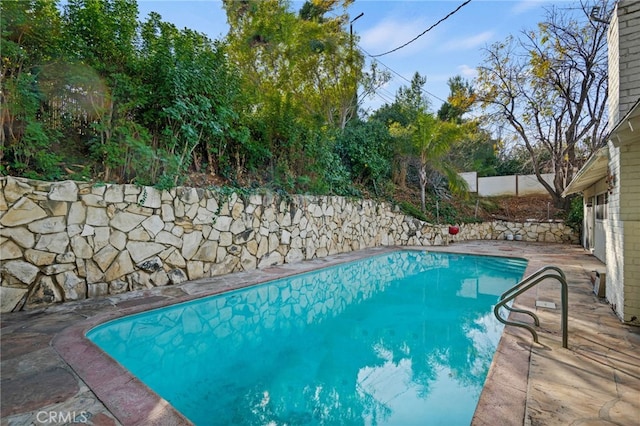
[{"x": 518, "y": 185}]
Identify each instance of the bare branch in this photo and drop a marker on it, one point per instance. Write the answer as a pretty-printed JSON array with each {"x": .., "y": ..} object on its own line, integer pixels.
[{"x": 550, "y": 87}]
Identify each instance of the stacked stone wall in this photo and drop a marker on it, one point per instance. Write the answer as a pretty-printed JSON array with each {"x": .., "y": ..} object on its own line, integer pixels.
[{"x": 65, "y": 241}]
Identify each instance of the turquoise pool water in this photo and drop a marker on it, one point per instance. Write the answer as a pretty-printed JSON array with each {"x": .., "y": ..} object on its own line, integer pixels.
[{"x": 404, "y": 338}]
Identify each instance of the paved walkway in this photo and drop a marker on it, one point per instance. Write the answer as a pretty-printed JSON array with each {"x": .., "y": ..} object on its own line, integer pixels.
[{"x": 51, "y": 375}]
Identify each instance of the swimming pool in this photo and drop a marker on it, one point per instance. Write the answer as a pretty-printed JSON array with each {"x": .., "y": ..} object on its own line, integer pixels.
[{"x": 400, "y": 338}]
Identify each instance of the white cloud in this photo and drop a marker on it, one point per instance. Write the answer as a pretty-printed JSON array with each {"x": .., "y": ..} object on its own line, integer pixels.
[
  {"x": 468, "y": 42},
  {"x": 467, "y": 71}
]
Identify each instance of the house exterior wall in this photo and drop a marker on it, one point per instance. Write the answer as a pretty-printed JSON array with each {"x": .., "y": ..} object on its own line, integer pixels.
[
  {"x": 613, "y": 47},
  {"x": 630, "y": 215},
  {"x": 595, "y": 189},
  {"x": 615, "y": 240},
  {"x": 631, "y": 312},
  {"x": 623, "y": 232},
  {"x": 624, "y": 59},
  {"x": 629, "y": 181},
  {"x": 623, "y": 226}
]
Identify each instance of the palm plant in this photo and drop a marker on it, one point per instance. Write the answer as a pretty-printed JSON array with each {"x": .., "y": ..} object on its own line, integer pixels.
[{"x": 434, "y": 139}]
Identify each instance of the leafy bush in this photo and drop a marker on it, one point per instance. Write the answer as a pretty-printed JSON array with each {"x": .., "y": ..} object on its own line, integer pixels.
[
  {"x": 32, "y": 157},
  {"x": 364, "y": 148},
  {"x": 575, "y": 215}
]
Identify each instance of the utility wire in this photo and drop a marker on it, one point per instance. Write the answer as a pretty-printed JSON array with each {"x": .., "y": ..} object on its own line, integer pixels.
[
  {"x": 471, "y": 114},
  {"x": 425, "y": 31},
  {"x": 400, "y": 75},
  {"x": 385, "y": 95},
  {"x": 385, "y": 98}
]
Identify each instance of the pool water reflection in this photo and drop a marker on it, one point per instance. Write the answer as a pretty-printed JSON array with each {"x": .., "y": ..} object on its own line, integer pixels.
[{"x": 401, "y": 338}]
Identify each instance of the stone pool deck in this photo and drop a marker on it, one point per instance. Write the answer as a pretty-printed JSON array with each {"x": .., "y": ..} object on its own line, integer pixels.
[{"x": 50, "y": 374}]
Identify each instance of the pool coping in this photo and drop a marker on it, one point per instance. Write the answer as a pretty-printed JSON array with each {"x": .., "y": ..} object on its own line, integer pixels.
[{"x": 133, "y": 403}]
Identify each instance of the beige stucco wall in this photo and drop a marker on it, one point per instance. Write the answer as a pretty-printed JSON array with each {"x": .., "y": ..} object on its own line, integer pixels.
[
  {"x": 510, "y": 185},
  {"x": 494, "y": 186}
]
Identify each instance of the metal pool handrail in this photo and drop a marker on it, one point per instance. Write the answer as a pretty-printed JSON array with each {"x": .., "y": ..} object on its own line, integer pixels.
[
  {"x": 524, "y": 285},
  {"x": 525, "y": 281}
]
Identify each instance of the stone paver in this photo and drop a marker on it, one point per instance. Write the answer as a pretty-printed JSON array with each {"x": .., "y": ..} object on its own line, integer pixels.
[{"x": 48, "y": 368}]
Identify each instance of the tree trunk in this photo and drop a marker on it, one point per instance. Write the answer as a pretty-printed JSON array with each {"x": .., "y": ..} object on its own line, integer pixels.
[
  {"x": 400, "y": 174},
  {"x": 423, "y": 186}
]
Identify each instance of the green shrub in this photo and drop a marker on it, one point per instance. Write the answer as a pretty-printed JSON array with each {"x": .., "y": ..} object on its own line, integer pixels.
[
  {"x": 33, "y": 157},
  {"x": 364, "y": 148},
  {"x": 575, "y": 214}
]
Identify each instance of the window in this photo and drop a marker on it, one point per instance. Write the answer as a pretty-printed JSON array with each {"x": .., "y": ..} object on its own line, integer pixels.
[{"x": 601, "y": 206}]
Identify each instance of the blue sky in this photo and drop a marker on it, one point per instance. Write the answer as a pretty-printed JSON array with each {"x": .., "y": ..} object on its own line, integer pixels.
[{"x": 452, "y": 48}]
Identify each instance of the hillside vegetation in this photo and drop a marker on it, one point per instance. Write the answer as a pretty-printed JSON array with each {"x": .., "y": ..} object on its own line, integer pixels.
[{"x": 91, "y": 93}]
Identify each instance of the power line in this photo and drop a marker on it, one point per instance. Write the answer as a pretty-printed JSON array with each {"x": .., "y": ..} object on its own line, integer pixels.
[
  {"x": 471, "y": 114},
  {"x": 385, "y": 98},
  {"x": 386, "y": 95},
  {"x": 425, "y": 31},
  {"x": 400, "y": 75}
]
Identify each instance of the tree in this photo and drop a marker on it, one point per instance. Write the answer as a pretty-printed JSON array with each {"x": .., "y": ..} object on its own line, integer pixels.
[
  {"x": 100, "y": 38},
  {"x": 370, "y": 82},
  {"x": 192, "y": 102},
  {"x": 433, "y": 139},
  {"x": 30, "y": 38},
  {"x": 412, "y": 99},
  {"x": 550, "y": 87},
  {"x": 460, "y": 100},
  {"x": 307, "y": 58},
  {"x": 476, "y": 150},
  {"x": 400, "y": 117},
  {"x": 299, "y": 71}
]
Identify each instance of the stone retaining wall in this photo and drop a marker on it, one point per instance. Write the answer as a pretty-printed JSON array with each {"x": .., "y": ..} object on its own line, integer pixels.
[{"x": 63, "y": 241}]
